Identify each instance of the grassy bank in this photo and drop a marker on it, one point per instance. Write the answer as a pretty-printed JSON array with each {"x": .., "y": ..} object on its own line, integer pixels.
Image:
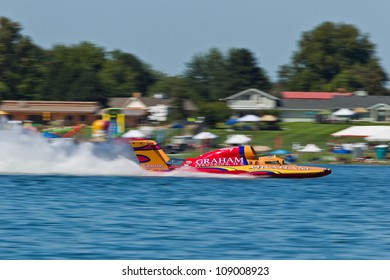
[{"x": 302, "y": 133}]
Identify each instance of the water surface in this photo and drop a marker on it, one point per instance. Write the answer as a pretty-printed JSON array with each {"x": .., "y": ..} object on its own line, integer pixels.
[{"x": 345, "y": 215}]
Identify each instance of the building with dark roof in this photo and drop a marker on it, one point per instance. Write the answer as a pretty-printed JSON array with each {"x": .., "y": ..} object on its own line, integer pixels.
[
  {"x": 69, "y": 112},
  {"x": 377, "y": 107}
]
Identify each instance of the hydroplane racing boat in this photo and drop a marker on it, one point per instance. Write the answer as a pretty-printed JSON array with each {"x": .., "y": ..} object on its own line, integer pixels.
[{"x": 232, "y": 160}]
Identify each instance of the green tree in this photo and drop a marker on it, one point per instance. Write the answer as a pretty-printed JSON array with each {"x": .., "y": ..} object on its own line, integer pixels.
[
  {"x": 334, "y": 56},
  {"x": 242, "y": 72},
  {"x": 124, "y": 73},
  {"x": 213, "y": 75},
  {"x": 206, "y": 74},
  {"x": 73, "y": 73},
  {"x": 214, "y": 112},
  {"x": 21, "y": 68}
]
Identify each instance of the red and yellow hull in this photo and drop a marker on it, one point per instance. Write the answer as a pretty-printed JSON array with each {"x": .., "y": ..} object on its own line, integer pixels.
[{"x": 238, "y": 160}]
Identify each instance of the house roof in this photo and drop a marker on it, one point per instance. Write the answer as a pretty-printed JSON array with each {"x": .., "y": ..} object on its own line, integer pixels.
[
  {"x": 334, "y": 103},
  {"x": 312, "y": 95},
  {"x": 252, "y": 91},
  {"x": 301, "y": 104},
  {"x": 118, "y": 102},
  {"x": 49, "y": 106},
  {"x": 359, "y": 101},
  {"x": 123, "y": 102}
]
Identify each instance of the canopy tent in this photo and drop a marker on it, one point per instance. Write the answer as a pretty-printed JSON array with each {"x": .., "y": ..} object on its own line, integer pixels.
[
  {"x": 249, "y": 118},
  {"x": 268, "y": 118},
  {"x": 381, "y": 136},
  {"x": 360, "y": 110},
  {"x": 361, "y": 131},
  {"x": 133, "y": 134},
  {"x": 310, "y": 148},
  {"x": 343, "y": 112},
  {"x": 204, "y": 135},
  {"x": 238, "y": 139}
]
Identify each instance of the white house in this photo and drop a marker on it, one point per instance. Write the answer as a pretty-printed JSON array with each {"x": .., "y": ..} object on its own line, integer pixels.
[{"x": 251, "y": 100}]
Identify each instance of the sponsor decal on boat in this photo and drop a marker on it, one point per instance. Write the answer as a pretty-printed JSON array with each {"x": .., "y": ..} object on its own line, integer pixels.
[
  {"x": 152, "y": 166},
  {"x": 286, "y": 167},
  {"x": 220, "y": 161}
]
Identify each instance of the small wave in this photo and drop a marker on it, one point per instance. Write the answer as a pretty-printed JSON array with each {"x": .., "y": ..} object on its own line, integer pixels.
[{"x": 193, "y": 174}]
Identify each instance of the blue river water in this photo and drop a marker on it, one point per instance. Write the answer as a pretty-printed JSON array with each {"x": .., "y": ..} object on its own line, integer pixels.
[{"x": 345, "y": 215}]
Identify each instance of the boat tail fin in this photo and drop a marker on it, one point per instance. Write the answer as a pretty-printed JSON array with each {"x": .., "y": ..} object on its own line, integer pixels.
[{"x": 150, "y": 155}]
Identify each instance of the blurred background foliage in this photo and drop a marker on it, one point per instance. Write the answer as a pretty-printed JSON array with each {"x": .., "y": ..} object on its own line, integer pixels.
[{"x": 331, "y": 57}]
